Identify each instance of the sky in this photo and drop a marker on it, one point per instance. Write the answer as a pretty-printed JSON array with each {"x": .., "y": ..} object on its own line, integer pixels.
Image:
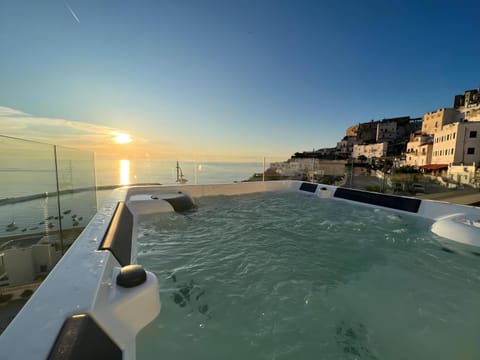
[{"x": 233, "y": 80}]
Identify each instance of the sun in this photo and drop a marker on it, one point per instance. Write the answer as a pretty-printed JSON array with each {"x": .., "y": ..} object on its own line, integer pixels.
[{"x": 122, "y": 138}]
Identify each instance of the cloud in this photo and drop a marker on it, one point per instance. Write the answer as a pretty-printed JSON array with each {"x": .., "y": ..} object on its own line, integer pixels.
[
  {"x": 6, "y": 111},
  {"x": 101, "y": 139},
  {"x": 15, "y": 123},
  {"x": 82, "y": 136}
]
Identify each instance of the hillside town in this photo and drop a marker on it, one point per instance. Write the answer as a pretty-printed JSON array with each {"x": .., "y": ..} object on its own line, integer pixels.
[{"x": 443, "y": 145}]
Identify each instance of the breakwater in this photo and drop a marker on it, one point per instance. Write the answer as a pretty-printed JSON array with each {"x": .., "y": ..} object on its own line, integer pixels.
[{"x": 18, "y": 199}]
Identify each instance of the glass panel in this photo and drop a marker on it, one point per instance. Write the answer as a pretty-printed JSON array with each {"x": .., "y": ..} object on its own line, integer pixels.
[
  {"x": 36, "y": 223},
  {"x": 112, "y": 172},
  {"x": 216, "y": 172},
  {"x": 26, "y": 219},
  {"x": 76, "y": 185}
]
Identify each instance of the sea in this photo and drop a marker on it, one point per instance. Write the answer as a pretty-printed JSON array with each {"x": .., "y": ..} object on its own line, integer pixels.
[
  {"x": 28, "y": 201},
  {"x": 33, "y": 177},
  {"x": 165, "y": 172}
]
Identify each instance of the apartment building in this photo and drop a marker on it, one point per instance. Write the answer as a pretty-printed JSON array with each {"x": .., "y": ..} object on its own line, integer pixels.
[
  {"x": 457, "y": 143},
  {"x": 419, "y": 150},
  {"x": 345, "y": 147}
]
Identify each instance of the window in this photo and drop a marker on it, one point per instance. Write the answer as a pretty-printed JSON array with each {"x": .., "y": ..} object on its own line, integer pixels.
[
  {"x": 452, "y": 151},
  {"x": 473, "y": 134},
  {"x": 454, "y": 135},
  {"x": 471, "y": 151}
]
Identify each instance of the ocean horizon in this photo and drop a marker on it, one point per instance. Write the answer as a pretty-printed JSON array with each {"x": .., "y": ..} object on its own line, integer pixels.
[
  {"x": 25, "y": 178},
  {"x": 28, "y": 178}
]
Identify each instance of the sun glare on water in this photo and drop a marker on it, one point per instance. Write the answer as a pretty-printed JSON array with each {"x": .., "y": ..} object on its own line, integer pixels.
[
  {"x": 124, "y": 172},
  {"x": 122, "y": 138}
]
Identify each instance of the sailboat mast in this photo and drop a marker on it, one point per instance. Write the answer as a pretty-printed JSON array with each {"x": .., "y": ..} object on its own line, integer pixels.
[{"x": 180, "y": 178}]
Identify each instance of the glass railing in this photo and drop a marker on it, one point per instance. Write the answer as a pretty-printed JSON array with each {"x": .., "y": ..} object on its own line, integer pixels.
[
  {"x": 458, "y": 183},
  {"x": 47, "y": 196},
  {"x": 372, "y": 175}
]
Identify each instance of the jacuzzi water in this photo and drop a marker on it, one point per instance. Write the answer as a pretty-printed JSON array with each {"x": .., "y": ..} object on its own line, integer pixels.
[{"x": 290, "y": 276}]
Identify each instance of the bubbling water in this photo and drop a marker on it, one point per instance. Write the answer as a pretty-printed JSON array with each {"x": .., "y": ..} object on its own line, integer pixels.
[{"x": 290, "y": 276}]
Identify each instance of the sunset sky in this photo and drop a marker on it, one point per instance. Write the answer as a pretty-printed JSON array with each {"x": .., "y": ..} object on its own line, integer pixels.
[{"x": 226, "y": 79}]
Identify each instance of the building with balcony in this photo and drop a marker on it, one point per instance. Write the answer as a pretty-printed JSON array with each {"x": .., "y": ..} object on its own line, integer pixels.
[
  {"x": 419, "y": 150},
  {"x": 345, "y": 147}
]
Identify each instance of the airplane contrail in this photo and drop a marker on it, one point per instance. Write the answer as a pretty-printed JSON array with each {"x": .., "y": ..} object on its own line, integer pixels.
[{"x": 72, "y": 12}]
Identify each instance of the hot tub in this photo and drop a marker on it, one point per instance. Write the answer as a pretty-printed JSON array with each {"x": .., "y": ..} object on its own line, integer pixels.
[{"x": 261, "y": 270}]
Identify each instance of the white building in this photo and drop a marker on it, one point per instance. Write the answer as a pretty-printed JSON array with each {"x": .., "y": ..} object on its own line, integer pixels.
[
  {"x": 462, "y": 174},
  {"x": 419, "y": 150},
  {"x": 457, "y": 143},
  {"x": 22, "y": 263},
  {"x": 370, "y": 151}
]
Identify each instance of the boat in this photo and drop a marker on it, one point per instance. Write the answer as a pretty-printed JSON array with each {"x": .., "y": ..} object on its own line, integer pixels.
[{"x": 180, "y": 178}]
